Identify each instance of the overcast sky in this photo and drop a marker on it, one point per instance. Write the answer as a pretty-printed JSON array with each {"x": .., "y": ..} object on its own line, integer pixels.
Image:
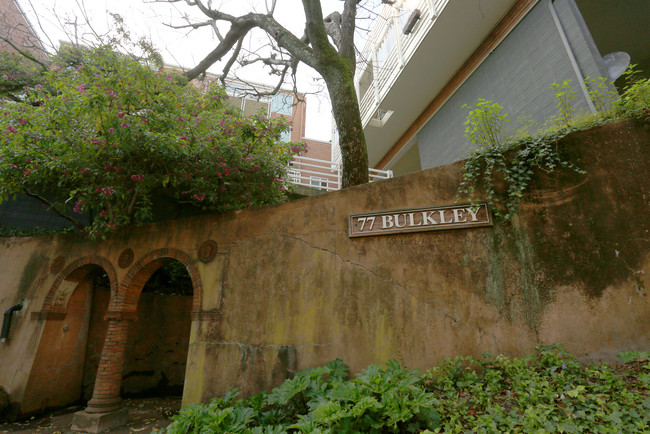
[{"x": 184, "y": 47}]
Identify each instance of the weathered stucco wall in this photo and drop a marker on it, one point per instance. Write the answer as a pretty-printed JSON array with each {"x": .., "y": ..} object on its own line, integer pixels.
[{"x": 288, "y": 289}]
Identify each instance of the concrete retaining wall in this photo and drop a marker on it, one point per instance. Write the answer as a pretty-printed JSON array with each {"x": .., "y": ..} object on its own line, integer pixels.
[{"x": 287, "y": 289}]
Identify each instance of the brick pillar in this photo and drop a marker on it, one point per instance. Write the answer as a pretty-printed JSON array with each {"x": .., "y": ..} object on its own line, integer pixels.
[{"x": 106, "y": 394}]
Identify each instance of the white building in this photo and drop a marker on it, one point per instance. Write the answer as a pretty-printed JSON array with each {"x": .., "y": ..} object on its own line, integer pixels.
[{"x": 415, "y": 81}]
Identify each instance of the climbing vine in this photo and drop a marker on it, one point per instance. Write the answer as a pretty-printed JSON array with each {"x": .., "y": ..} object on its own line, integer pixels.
[
  {"x": 511, "y": 165},
  {"x": 515, "y": 165}
]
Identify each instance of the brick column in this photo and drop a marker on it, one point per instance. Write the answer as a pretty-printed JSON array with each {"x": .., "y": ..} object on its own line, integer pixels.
[{"x": 106, "y": 394}]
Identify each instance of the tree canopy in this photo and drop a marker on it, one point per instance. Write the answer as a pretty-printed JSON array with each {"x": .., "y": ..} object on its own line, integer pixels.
[
  {"x": 327, "y": 45},
  {"x": 102, "y": 134}
]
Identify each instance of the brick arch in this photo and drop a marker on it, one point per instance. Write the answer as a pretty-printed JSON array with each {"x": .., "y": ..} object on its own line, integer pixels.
[
  {"x": 132, "y": 284},
  {"x": 56, "y": 299}
]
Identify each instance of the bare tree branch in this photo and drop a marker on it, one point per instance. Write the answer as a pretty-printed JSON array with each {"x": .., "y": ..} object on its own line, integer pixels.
[
  {"x": 231, "y": 61},
  {"x": 26, "y": 54},
  {"x": 192, "y": 25},
  {"x": 40, "y": 26},
  {"x": 53, "y": 208},
  {"x": 333, "y": 28},
  {"x": 255, "y": 91},
  {"x": 348, "y": 21}
]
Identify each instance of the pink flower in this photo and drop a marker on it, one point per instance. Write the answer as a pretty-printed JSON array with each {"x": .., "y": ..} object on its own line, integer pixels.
[
  {"x": 111, "y": 93},
  {"x": 124, "y": 125},
  {"x": 77, "y": 206},
  {"x": 137, "y": 178},
  {"x": 199, "y": 197},
  {"x": 12, "y": 129},
  {"x": 39, "y": 86},
  {"x": 22, "y": 121},
  {"x": 84, "y": 170},
  {"x": 81, "y": 88},
  {"x": 106, "y": 191},
  {"x": 120, "y": 115},
  {"x": 102, "y": 213},
  {"x": 226, "y": 171},
  {"x": 107, "y": 167},
  {"x": 13, "y": 166},
  {"x": 111, "y": 130}
]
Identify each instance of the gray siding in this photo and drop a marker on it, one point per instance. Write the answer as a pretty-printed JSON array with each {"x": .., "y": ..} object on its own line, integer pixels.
[{"x": 517, "y": 75}]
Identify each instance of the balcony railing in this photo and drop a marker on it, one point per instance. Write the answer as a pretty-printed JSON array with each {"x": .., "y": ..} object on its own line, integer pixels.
[
  {"x": 324, "y": 175},
  {"x": 386, "y": 63}
]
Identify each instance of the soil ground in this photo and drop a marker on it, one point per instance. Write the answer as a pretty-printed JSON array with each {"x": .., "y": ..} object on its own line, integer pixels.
[{"x": 145, "y": 415}]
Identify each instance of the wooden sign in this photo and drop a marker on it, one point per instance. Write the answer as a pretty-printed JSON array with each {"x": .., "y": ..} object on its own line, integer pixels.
[{"x": 419, "y": 219}]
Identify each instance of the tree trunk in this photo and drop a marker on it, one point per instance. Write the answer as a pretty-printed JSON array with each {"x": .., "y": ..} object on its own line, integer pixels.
[{"x": 345, "y": 108}]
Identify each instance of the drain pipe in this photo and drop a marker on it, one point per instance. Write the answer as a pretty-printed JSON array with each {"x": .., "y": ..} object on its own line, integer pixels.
[
  {"x": 6, "y": 322},
  {"x": 572, "y": 57}
]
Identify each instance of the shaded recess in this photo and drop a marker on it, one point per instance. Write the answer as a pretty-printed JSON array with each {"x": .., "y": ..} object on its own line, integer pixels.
[{"x": 156, "y": 353}]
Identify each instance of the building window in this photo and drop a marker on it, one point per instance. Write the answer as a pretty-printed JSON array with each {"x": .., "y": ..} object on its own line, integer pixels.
[
  {"x": 254, "y": 107},
  {"x": 294, "y": 176},
  {"x": 282, "y": 103},
  {"x": 250, "y": 105},
  {"x": 285, "y": 136},
  {"x": 320, "y": 183}
]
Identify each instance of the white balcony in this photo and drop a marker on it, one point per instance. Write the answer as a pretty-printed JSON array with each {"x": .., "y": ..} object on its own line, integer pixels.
[
  {"x": 388, "y": 50},
  {"x": 322, "y": 174},
  {"x": 400, "y": 75}
]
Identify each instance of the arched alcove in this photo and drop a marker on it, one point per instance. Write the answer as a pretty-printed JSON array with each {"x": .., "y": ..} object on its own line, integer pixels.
[
  {"x": 57, "y": 375},
  {"x": 158, "y": 342},
  {"x": 163, "y": 289}
]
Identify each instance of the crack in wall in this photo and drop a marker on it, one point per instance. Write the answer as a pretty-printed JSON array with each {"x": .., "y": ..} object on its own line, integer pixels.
[
  {"x": 454, "y": 317},
  {"x": 249, "y": 347},
  {"x": 375, "y": 274}
]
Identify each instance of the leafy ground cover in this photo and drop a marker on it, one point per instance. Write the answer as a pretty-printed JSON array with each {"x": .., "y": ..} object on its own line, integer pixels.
[{"x": 549, "y": 391}]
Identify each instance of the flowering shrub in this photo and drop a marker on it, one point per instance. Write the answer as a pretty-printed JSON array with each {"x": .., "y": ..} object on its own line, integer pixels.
[
  {"x": 15, "y": 73},
  {"x": 106, "y": 133}
]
